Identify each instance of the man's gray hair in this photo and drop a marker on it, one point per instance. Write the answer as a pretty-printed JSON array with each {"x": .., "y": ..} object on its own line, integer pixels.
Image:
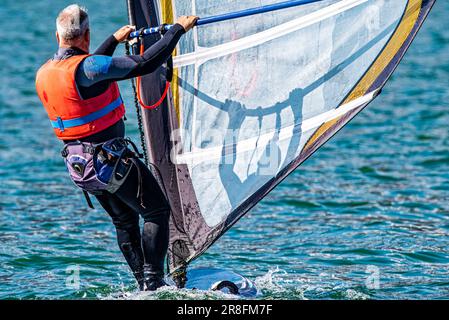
[{"x": 72, "y": 22}]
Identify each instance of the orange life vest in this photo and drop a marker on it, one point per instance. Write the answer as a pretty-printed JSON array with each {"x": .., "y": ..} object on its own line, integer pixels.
[{"x": 71, "y": 116}]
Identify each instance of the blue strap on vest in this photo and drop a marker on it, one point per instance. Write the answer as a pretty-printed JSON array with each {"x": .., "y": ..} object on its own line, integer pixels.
[{"x": 75, "y": 122}]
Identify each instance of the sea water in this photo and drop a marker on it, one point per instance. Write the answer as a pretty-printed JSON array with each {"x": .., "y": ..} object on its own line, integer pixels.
[{"x": 367, "y": 217}]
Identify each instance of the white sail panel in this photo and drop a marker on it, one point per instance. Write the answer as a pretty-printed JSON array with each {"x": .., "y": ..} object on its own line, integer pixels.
[{"x": 247, "y": 106}]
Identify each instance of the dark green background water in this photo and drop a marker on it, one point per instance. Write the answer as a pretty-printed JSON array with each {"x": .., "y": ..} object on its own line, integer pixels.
[{"x": 373, "y": 201}]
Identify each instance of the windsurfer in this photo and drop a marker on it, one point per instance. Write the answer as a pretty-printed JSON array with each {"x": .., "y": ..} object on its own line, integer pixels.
[{"x": 83, "y": 102}]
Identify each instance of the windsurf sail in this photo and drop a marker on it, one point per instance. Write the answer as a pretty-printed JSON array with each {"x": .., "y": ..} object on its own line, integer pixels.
[{"x": 253, "y": 96}]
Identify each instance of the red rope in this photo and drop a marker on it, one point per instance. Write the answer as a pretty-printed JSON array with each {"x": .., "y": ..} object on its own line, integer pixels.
[{"x": 164, "y": 95}]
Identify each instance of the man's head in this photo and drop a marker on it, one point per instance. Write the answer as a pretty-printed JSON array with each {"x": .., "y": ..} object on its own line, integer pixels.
[{"x": 72, "y": 27}]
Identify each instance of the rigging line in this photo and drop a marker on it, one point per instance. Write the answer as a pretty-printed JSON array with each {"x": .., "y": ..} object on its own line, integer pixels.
[
  {"x": 138, "y": 112},
  {"x": 232, "y": 15},
  {"x": 138, "y": 85}
]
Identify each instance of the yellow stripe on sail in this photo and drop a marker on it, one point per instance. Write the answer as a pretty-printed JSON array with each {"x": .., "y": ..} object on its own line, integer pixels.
[
  {"x": 168, "y": 17},
  {"x": 394, "y": 45}
]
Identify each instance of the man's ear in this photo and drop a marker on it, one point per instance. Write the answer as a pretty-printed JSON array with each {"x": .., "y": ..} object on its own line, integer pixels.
[
  {"x": 87, "y": 36},
  {"x": 57, "y": 37}
]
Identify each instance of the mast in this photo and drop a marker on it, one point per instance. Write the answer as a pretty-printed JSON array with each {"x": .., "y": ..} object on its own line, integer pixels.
[{"x": 158, "y": 125}]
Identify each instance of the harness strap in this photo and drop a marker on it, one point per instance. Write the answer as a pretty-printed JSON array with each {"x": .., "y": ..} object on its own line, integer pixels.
[
  {"x": 140, "y": 183},
  {"x": 64, "y": 152},
  {"x": 136, "y": 151},
  {"x": 87, "y": 147},
  {"x": 88, "y": 200}
]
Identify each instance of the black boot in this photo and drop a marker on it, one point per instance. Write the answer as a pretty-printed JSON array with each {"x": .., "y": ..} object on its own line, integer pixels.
[{"x": 154, "y": 279}]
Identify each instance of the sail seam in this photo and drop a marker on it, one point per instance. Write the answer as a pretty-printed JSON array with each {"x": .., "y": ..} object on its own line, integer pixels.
[
  {"x": 254, "y": 40},
  {"x": 201, "y": 155}
]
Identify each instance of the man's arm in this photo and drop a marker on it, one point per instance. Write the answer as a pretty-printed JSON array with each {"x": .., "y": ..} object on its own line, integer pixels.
[
  {"x": 95, "y": 69},
  {"x": 108, "y": 47}
]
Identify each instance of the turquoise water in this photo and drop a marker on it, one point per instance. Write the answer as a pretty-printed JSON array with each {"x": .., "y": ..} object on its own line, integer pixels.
[{"x": 367, "y": 217}]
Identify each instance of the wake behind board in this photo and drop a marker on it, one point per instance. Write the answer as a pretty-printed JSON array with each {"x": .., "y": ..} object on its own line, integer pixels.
[{"x": 220, "y": 280}]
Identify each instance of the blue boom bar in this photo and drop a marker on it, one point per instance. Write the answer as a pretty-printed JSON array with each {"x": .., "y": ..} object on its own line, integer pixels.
[{"x": 232, "y": 15}]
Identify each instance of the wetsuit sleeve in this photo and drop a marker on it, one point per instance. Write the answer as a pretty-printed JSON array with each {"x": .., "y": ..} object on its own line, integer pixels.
[
  {"x": 108, "y": 47},
  {"x": 99, "y": 68}
]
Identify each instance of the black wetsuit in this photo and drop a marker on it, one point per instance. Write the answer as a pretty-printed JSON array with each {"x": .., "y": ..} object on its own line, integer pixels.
[{"x": 145, "y": 254}]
